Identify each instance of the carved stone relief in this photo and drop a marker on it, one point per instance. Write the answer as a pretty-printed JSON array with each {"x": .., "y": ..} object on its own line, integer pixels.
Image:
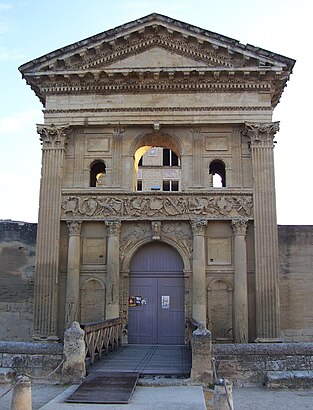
[
  {"x": 180, "y": 233},
  {"x": 131, "y": 234},
  {"x": 131, "y": 206}
]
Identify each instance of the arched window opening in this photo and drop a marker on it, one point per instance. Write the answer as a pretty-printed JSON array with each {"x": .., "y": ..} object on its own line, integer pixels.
[
  {"x": 218, "y": 174},
  {"x": 158, "y": 169},
  {"x": 97, "y": 174}
]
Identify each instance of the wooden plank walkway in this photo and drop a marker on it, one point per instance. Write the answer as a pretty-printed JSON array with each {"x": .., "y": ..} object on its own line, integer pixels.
[{"x": 167, "y": 360}]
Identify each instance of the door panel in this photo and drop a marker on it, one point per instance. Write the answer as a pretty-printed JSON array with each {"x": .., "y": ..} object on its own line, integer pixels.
[
  {"x": 142, "y": 319},
  {"x": 171, "y": 321},
  {"x": 156, "y": 271}
]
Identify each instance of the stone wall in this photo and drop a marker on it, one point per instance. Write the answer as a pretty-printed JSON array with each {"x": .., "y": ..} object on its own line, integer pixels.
[
  {"x": 36, "y": 360},
  {"x": 245, "y": 364},
  {"x": 296, "y": 282},
  {"x": 17, "y": 260},
  {"x": 17, "y": 263}
]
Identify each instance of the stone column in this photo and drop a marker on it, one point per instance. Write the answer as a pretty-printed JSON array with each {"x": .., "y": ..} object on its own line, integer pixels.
[
  {"x": 241, "y": 281},
  {"x": 265, "y": 228},
  {"x": 113, "y": 270},
  {"x": 72, "y": 279},
  {"x": 47, "y": 252},
  {"x": 199, "y": 305}
]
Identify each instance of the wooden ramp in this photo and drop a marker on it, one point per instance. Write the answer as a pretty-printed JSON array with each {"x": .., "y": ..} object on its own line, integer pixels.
[
  {"x": 105, "y": 388},
  {"x": 162, "y": 360}
]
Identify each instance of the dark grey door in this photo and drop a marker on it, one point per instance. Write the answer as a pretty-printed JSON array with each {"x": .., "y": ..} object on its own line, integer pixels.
[{"x": 157, "y": 285}]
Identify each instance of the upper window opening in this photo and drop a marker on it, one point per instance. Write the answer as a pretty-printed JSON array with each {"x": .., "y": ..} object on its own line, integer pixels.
[
  {"x": 218, "y": 173},
  {"x": 158, "y": 169},
  {"x": 97, "y": 174},
  {"x": 170, "y": 159}
]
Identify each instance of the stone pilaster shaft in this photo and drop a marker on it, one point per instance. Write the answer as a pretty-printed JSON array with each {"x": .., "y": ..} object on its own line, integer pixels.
[
  {"x": 47, "y": 253},
  {"x": 113, "y": 269},
  {"x": 72, "y": 302},
  {"x": 197, "y": 159},
  {"x": 199, "y": 303},
  {"x": 117, "y": 152},
  {"x": 265, "y": 227},
  {"x": 241, "y": 281}
]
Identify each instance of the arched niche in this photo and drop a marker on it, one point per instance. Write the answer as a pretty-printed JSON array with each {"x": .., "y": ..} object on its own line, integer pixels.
[
  {"x": 92, "y": 305},
  {"x": 220, "y": 309}
]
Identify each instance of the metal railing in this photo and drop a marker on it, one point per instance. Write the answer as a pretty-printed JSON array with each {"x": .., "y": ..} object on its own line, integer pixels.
[{"x": 101, "y": 338}]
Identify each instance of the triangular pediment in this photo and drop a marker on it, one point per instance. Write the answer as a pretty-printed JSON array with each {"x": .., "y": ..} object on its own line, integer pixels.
[
  {"x": 155, "y": 32},
  {"x": 155, "y": 42}
]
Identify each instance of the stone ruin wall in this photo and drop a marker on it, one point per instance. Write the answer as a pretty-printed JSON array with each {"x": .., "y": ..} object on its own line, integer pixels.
[
  {"x": 17, "y": 265},
  {"x": 17, "y": 261}
]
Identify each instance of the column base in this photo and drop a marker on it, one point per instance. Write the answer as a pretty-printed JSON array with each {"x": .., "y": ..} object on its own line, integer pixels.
[
  {"x": 45, "y": 339},
  {"x": 268, "y": 340}
]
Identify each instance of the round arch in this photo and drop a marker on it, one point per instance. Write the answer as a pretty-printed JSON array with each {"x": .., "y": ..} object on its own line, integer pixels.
[
  {"x": 157, "y": 139},
  {"x": 142, "y": 242}
]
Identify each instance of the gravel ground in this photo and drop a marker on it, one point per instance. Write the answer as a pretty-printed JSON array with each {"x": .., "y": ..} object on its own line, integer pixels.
[{"x": 248, "y": 398}]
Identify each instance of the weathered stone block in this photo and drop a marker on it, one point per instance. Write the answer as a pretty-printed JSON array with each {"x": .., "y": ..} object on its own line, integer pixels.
[
  {"x": 7, "y": 375},
  {"x": 294, "y": 379}
]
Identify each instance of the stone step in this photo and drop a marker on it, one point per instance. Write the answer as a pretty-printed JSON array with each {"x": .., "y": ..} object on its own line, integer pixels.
[
  {"x": 293, "y": 379},
  {"x": 7, "y": 375},
  {"x": 162, "y": 381}
]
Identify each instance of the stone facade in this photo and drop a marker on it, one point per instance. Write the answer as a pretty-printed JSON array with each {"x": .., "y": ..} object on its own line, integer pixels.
[{"x": 157, "y": 82}]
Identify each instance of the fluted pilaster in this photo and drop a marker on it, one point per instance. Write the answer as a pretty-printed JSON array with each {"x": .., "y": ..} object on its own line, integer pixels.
[
  {"x": 72, "y": 302},
  {"x": 197, "y": 159},
  {"x": 113, "y": 269},
  {"x": 241, "y": 281},
  {"x": 54, "y": 140},
  {"x": 199, "y": 305},
  {"x": 265, "y": 226}
]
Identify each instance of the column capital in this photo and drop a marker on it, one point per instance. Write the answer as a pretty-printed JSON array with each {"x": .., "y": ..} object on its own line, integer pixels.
[
  {"x": 261, "y": 134},
  {"x": 114, "y": 226},
  {"x": 240, "y": 226},
  {"x": 74, "y": 227},
  {"x": 198, "y": 226},
  {"x": 52, "y": 136}
]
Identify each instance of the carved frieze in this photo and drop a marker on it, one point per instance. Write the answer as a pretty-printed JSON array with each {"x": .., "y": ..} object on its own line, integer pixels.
[{"x": 180, "y": 206}]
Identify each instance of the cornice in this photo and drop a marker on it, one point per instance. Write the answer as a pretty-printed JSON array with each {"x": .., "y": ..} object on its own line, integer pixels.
[{"x": 159, "y": 109}]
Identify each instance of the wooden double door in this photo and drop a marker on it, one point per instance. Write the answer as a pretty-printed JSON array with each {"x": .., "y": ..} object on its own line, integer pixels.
[{"x": 156, "y": 313}]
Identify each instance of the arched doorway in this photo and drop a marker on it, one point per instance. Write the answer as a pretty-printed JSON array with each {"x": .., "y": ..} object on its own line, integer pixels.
[{"x": 156, "y": 313}]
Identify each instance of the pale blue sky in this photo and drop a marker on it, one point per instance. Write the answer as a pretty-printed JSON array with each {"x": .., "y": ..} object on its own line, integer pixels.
[{"x": 31, "y": 28}]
